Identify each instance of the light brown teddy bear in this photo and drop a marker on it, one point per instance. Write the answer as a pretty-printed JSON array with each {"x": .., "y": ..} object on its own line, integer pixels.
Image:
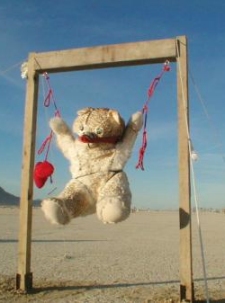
[{"x": 97, "y": 157}]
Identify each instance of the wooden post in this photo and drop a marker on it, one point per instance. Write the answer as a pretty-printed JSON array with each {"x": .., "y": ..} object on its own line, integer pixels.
[
  {"x": 186, "y": 275},
  {"x": 24, "y": 275}
]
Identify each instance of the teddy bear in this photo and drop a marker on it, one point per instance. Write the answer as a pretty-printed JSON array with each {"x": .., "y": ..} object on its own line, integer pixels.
[{"x": 97, "y": 147}]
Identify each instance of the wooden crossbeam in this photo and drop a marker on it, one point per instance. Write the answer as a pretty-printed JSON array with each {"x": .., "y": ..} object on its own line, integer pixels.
[{"x": 116, "y": 55}]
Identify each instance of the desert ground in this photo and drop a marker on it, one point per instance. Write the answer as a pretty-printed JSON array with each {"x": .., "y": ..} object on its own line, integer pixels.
[{"x": 133, "y": 261}]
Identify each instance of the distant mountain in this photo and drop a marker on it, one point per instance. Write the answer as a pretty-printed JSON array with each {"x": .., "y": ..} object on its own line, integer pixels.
[{"x": 7, "y": 199}]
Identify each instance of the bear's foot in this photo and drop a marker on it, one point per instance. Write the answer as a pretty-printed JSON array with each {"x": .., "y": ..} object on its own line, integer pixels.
[
  {"x": 112, "y": 211},
  {"x": 54, "y": 211}
]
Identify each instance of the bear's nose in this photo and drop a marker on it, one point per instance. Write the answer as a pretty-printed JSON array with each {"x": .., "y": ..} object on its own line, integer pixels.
[{"x": 89, "y": 135}]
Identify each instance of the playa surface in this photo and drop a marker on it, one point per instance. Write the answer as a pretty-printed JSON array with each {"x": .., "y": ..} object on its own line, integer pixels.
[{"x": 134, "y": 261}]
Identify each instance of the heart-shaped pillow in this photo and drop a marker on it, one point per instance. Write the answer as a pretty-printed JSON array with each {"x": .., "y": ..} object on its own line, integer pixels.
[{"x": 42, "y": 171}]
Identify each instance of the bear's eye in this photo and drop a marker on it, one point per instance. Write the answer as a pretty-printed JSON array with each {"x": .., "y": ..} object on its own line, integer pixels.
[
  {"x": 99, "y": 130},
  {"x": 81, "y": 127}
]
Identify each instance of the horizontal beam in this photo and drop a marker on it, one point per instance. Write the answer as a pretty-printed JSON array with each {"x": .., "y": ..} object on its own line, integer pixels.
[{"x": 126, "y": 54}]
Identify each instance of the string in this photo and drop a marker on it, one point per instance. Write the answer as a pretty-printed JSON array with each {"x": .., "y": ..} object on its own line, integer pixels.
[
  {"x": 194, "y": 184},
  {"x": 45, "y": 144},
  {"x": 214, "y": 129},
  {"x": 50, "y": 96},
  {"x": 150, "y": 93},
  {"x": 3, "y": 72}
]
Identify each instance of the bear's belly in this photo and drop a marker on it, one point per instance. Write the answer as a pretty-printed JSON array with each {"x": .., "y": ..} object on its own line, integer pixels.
[{"x": 90, "y": 161}]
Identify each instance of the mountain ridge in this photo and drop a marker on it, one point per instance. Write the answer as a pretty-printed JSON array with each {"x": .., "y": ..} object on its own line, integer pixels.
[{"x": 8, "y": 199}]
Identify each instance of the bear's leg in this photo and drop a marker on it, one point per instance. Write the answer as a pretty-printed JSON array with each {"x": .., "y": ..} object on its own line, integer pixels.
[
  {"x": 75, "y": 200},
  {"x": 54, "y": 211},
  {"x": 114, "y": 200}
]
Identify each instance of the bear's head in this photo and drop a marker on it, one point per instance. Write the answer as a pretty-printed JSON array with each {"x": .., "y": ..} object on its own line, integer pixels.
[{"x": 99, "y": 125}]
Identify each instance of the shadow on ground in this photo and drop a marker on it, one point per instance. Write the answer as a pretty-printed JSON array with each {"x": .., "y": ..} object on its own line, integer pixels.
[{"x": 148, "y": 292}]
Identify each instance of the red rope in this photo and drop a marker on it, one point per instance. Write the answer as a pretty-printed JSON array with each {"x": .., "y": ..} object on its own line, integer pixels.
[
  {"x": 44, "y": 170},
  {"x": 47, "y": 142},
  {"x": 50, "y": 95},
  {"x": 151, "y": 91},
  {"x": 47, "y": 102}
]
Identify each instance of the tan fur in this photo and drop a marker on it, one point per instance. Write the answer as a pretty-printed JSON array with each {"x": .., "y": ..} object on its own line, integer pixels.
[{"x": 98, "y": 182}]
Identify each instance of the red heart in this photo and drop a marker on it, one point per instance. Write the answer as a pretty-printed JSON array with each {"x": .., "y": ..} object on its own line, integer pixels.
[{"x": 42, "y": 171}]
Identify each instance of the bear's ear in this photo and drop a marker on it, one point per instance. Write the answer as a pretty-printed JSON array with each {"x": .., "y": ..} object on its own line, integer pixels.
[
  {"x": 115, "y": 115},
  {"x": 84, "y": 111}
]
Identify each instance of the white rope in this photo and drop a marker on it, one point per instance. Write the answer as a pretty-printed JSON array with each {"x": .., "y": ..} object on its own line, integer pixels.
[
  {"x": 218, "y": 141},
  {"x": 194, "y": 186},
  {"x": 3, "y": 72}
]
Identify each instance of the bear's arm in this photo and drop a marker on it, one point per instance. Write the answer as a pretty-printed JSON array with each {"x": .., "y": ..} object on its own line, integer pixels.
[
  {"x": 125, "y": 146},
  {"x": 64, "y": 135}
]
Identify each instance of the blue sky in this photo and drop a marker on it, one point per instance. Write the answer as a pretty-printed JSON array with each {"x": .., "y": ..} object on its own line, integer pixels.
[{"x": 40, "y": 26}]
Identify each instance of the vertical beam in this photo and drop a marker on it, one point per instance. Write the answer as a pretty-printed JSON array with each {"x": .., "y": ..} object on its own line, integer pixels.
[
  {"x": 186, "y": 272},
  {"x": 24, "y": 275}
]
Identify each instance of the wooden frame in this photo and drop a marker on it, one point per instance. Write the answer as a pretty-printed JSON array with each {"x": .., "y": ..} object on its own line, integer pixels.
[{"x": 147, "y": 52}]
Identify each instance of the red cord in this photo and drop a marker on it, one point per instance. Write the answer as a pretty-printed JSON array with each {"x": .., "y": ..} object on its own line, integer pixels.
[
  {"x": 46, "y": 167},
  {"x": 151, "y": 91}
]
